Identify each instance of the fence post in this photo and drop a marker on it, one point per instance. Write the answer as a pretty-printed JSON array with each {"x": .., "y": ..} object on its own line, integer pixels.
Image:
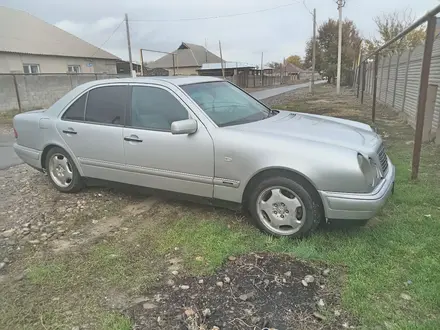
[
  {"x": 437, "y": 134},
  {"x": 376, "y": 65},
  {"x": 406, "y": 79},
  {"x": 17, "y": 93},
  {"x": 421, "y": 105},
  {"x": 395, "y": 80},
  {"x": 381, "y": 77},
  {"x": 388, "y": 78},
  {"x": 364, "y": 71},
  {"x": 368, "y": 77},
  {"x": 359, "y": 78},
  {"x": 429, "y": 114}
]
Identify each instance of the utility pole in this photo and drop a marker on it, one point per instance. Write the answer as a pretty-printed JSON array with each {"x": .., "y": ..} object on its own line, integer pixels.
[
  {"x": 312, "y": 83},
  {"x": 341, "y": 4},
  {"x": 129, "y": 45},
  {"x": 221, "y": 58},
  {"x": 206, "y": 51},
  {"x": 262, "y": 69},
  {"x": 142, "y": 64}
]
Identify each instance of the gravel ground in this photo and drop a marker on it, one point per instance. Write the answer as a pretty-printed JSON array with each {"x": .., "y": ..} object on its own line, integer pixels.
[{"x": 33, "y": 213}]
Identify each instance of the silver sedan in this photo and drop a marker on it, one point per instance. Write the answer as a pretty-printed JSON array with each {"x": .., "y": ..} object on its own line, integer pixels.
[{"x": 205, "y": 137}]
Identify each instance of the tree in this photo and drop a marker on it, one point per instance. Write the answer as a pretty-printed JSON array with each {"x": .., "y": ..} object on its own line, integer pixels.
[
  {"x": 295, "y": 60},
  {"x": 390, "y": 25},
  {"x": 274, "y": 65},
  {"x": 307, "y": 63},
  {"x": 327, "y": 48}
]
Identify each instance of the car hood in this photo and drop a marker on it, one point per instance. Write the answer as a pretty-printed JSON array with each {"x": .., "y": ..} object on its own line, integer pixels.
[{"x": 322, "y": 129}]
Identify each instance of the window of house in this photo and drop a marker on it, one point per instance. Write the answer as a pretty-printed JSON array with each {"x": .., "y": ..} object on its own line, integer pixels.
[
  {"x": 155, "y": 108},
  {"x": 106, "y": 105},
  {"x": 31, "y": 68},
  {"x": 74, "y": 68},
  {"x": 76, "y": 110}
]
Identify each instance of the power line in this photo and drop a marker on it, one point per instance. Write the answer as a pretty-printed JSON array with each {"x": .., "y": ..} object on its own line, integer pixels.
[
  {"x": 214, "y": 17},
  {"x": 114, "y": 31},
  {"x": 304, "y": 3}
]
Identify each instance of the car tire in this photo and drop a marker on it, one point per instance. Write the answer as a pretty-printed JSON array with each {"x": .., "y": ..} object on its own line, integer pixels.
[
  {"x": 62, "y": 171},
  {"x": 299, "y": 203}
]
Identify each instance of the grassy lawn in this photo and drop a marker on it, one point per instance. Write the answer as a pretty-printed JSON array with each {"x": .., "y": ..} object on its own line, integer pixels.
[{"x": 397, "y": 253}]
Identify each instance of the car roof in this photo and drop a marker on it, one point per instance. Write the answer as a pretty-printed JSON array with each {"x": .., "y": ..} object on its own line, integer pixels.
[
  {"x": 164, "y": 80},
  {"x": 175, "y": 80}
]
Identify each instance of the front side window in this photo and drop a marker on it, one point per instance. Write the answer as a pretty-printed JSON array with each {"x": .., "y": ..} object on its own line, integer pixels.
[
  {"x": 155, "y": 108},
  {"x": 74, "y": 68},
  {"x": 76, "y": 110},
  {"x": 226, "y": 104},
  {"x": 106, "y": 105},
  {"x": 31, "y": 68}
]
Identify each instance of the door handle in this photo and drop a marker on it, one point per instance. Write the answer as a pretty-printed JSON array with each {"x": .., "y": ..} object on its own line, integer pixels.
[
  {"x": 132, "y": 139},
  {"x": 69, "y": 132}
]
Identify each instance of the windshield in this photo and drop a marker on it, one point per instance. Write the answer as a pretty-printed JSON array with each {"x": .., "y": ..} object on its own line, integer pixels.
[{"x": 226, "y": 104}]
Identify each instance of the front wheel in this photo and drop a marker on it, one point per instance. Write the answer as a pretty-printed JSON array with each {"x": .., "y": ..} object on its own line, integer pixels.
[
  {"x": 281, "y": 206},
  {"x": 62, "y": 171}
]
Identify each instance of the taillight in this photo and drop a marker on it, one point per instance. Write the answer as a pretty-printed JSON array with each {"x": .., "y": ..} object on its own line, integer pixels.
[{"x": 15, "y": 133}]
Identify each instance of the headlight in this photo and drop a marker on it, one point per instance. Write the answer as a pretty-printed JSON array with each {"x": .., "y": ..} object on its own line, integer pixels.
[{"x": 369, "y": 169}]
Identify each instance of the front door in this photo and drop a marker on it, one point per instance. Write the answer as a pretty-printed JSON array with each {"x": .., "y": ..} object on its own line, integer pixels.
[
  {"x": 92, "y": 128},
  {"x": 156, "y": 158}
]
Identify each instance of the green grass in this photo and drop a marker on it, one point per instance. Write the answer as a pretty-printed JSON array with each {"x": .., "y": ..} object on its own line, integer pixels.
[{"x": 401, "y": 244}]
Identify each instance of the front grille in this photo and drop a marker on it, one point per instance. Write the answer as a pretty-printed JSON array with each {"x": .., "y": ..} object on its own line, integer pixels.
[{"x": 383, "y": 159}]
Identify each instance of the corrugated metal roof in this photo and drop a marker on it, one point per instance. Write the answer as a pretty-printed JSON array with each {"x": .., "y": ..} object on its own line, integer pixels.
[
  {"x": 187, "y": 55},
  {"x": 226, "y": 65},
  {"x": 20, "y": 32}
]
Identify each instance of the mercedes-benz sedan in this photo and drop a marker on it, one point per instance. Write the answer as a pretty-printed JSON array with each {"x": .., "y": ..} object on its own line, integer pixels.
[{"x": 205, "y": 137}]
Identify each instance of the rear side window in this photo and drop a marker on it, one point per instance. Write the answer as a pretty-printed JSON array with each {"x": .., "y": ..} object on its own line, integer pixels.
[
  {"x": 106, "y": 105},
  {"x": 76, "y": 110}
]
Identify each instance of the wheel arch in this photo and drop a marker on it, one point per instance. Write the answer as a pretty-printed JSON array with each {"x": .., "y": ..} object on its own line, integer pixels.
[
  {"x": 279, "y": 171},
  {"x": 54, "y": 145}
]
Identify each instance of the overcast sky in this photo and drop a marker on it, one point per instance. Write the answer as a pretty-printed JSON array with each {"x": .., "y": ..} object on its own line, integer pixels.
[{"x": 278, "y": 33}]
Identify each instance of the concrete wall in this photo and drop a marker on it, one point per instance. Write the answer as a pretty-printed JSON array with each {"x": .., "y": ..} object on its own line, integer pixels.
[
  {"x": 40, "y": 91},
  {"x": 13, "y": 63},
  {"x": 8, "y": 96}
]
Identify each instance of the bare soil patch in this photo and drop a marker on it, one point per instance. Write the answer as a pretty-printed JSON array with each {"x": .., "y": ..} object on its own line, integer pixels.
[{"x": 254, "y": 291}]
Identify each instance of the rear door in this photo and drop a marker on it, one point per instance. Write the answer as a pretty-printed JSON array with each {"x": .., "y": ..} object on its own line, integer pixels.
[{"x": 92, "y": 128}]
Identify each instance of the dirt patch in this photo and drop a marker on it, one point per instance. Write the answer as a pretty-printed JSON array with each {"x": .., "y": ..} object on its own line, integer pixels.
[{"x": 254, "y": 291}]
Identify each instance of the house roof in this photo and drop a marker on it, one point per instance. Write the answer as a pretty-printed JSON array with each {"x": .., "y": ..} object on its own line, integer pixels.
[
  {"x": 187, "y": 55},
  {"x": 20, "y": 32},
  {"x": 291, "y": 68}
]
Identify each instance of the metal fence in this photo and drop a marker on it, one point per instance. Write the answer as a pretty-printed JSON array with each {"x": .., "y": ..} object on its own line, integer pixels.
[
  {"x": 398, "y": 81},
  {"x": 418, "y": 94}
]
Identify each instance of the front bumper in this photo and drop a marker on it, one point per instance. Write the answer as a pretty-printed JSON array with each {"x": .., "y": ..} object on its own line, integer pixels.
[{"x": 356, "y": 206}]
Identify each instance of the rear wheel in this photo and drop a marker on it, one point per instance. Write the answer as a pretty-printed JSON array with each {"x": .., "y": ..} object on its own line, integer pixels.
[
  {"x": 281, "y": 206},
  {"x": 62, "y": 171}
]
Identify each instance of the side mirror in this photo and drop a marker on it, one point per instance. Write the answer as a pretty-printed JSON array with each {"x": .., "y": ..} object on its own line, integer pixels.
[{"x": 187, "y": 126}]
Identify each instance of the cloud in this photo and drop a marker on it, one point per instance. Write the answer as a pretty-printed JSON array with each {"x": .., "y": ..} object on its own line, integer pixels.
[{"x": 278, "y": 33}]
